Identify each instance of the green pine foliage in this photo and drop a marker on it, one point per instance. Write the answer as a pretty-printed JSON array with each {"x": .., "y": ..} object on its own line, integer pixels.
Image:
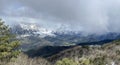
[{"x": 8, "y": 43}]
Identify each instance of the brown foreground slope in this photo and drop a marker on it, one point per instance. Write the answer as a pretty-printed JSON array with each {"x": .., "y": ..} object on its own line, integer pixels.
[
  {"x": 107, "y": 53},
  {"x": 91, "y": 55}
]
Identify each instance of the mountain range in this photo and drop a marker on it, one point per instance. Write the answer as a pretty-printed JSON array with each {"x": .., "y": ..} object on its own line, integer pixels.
[{"x": 33, "y": 36}]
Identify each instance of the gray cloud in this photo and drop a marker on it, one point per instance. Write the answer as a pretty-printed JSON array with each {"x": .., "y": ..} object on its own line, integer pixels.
[
  {"x": 5, "y": 4},
  {"x": 89, "y": 16}
]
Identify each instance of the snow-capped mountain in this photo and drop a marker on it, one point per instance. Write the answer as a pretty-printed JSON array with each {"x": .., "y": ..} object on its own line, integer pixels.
[
  {"x": 28, "y": 29},
  {"x": 33, "y": 36},
  {"x": 58, "y": 37}
]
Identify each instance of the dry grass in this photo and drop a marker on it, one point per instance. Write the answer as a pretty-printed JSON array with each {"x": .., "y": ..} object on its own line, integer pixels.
[{"x": 25, "y": 60}]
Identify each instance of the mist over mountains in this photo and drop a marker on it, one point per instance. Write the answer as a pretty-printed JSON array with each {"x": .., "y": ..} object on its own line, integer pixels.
[
  {"x": 88, "y": 16},
  {"x": 36, "y": 29}
]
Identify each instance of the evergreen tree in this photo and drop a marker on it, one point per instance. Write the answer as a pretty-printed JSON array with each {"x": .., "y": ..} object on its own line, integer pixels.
[{"x": 8, "y": 43}]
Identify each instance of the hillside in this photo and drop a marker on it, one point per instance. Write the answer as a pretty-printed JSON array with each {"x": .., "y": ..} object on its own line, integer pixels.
[
  {"x": 107, "y": 54},
  {"x": 104, "y": 54},
  {"x": 47, "y": 51}
]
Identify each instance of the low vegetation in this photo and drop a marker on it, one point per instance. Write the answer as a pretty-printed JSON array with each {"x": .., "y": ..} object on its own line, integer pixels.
[
  {"x": 23, "y": 59},
  {"x": 90, "y": 55}
]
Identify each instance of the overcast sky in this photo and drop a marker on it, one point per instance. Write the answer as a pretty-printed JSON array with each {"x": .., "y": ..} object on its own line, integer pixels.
[{"x": 89, "y": 16}]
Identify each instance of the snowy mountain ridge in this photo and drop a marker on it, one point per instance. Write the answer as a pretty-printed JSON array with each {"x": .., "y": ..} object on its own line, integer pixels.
[
  {"x": 33, "y": 29},
  {"x": 27, "y": 29}
]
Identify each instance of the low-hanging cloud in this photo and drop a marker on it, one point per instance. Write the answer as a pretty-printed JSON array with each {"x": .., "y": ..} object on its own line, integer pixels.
[{"x": 88, "y": 16}]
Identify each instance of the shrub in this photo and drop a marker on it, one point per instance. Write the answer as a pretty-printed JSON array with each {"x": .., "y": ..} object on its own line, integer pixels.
[
  {"x": 8, "y": 44},
  {"x": 23, "y": 59},
  {"x": 66, "y": 61}
]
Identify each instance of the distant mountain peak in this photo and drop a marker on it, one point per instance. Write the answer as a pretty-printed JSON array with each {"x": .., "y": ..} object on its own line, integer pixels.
[{"x": 27, "y": 29}]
